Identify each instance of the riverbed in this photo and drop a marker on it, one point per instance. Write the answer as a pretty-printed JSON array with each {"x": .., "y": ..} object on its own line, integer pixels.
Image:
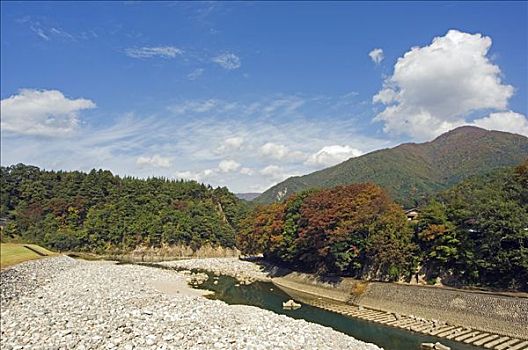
[
  {"x": 62, "y": 303},
  {"x": 267, "y": 296}
]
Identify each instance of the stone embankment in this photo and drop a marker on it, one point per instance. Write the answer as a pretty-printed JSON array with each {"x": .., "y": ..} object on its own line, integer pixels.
[
  {"x": 488, "y": 312},
  {"x": 482, "y": 319},
  {"x": 62, "y": 303}
]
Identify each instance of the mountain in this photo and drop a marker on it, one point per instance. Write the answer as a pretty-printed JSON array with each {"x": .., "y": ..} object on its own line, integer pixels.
[
  {"x": 249, "y": 196},
  {"x": 411, "y": 171}
]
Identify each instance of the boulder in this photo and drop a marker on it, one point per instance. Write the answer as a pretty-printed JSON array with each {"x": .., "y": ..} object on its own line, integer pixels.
[
  {"x": 290, "y": 305},
  {"x": 439, "y": 346}
]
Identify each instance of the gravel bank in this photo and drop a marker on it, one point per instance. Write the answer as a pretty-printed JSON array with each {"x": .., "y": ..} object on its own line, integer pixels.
[
  {"x": 100, "y": 305},
  {"x": 234, "y": 267},
  {"x": 24, "y": 278}
]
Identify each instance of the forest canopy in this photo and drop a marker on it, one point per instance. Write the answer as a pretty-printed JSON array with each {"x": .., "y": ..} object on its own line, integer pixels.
[
  {"x": 96, "y": 211},
  {"x": 475, "y": 233}
]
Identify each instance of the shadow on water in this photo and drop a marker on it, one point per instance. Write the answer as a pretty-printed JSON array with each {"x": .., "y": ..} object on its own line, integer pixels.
[{"x": 267, "y": 296}]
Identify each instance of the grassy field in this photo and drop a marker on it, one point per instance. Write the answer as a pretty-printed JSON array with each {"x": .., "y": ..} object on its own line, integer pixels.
[{"x": 14, "y": 253}]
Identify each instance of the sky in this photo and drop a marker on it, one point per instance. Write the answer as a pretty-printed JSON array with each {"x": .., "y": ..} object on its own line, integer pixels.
[{"x": 246, "y": 94}]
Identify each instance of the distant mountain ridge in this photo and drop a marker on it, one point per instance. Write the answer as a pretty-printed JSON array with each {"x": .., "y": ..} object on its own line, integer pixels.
[
  {"x": 248, "y": 196},
  {"x": 411, "y": 171}
]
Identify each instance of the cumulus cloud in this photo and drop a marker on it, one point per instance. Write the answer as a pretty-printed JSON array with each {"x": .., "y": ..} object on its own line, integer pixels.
[
  {"x": 331, "y": 155},
  {"x": 274, "y": 171},
  {"x": 187, "y": 175},
  {"x": 196, "y": 175},
  {"x": 228, "y": 165},
  {"x": 504, "y": 121},
  {"x": 376, "y": 55},
  {"x": 42, "y": 112},
  {"x": 155, "y": 161},
  {"x": 435, "y": 87},
  {"x": 247, "y": 171},
  {"x": 231, "y": 144},
  {"x": 153, "y": 51},
  {"x": 280, "y": 152},
  {"x": 228, "y": 61}
]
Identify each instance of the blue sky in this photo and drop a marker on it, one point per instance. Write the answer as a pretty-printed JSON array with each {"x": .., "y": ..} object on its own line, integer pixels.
[{"x": 246, "y": 94}]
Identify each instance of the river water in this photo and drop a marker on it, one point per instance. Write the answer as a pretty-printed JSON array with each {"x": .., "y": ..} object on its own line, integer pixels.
[{"x": 267, "y": 296}]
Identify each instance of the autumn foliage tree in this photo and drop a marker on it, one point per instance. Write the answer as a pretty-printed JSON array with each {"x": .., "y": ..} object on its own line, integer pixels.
[{"x": 339, "y": 230}]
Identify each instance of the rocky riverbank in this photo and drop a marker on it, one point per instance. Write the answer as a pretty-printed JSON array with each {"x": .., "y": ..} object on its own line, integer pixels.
[
  {"x": 63, "y": 303},
  {"x": 243, "y": 271},
  {"x": 500, "y": 314}
]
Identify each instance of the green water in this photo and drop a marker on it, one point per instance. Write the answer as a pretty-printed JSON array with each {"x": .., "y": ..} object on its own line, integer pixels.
[{"x": 269, "y": 297}]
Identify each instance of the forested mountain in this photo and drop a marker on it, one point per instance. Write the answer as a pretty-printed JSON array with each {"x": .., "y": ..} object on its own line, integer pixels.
[
  {"x": 99, "y": 211},
  {"x": 410, "y": 172},
  {"x": 475, "y": 233}
]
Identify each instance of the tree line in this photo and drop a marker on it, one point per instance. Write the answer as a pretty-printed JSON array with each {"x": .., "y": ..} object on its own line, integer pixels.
[
  {"x": 98, "y": 211},
  {"x": 474, "y": 234}
]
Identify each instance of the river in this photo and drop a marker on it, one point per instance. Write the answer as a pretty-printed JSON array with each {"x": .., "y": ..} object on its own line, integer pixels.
[{"x": 267, "y": 296}]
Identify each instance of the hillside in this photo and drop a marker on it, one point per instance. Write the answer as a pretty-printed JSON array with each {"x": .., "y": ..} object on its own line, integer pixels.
[
  {"x": 99, "y": 211},
  {"x": 411, "y": 171}
]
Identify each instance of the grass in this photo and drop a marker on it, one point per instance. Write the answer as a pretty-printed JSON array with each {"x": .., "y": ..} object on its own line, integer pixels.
[{"x": 14, "y": 253}]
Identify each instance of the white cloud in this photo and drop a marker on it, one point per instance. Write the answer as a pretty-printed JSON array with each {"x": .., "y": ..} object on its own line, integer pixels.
[
  {"x": 274, "y": 150},
  {"x": 47, "y": 32},
  {"x": 280, "y": 152},
  {"x": 192, "y": 140},
  {"x": 231, "y": 144},
  {"x": 228, "y": 61},
  {"x": 376, "y": 55},
  {"x": 42, "y": 112},
  {"x": 199, "y": 176},
  {"x": 208, "y": 172},
  {"x": 274, "y": 171},
  {"x": 201, "y": 106},
  {"x": 156, "y": 51},
  {"x": 187, "y": 175},
  {"x": 195, "y": 74},
  {"x": 228, "y": 165},
  {"x": 155, "y": 161},
  {"x": 331, "y": 155},
  {"x": 247, "y": 171},
  {"x": 434, "y": 88},
  {"x": 504, "y": 121}
]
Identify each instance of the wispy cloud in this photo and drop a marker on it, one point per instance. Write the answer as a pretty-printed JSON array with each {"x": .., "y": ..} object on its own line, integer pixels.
[
  {"x": 48, "y": 32},
  {"x": 153, "y": 51},
  {"x": 217, "y": 141},
  {"x": 228, "y": 61},
  {"x": 195, "y": 74},
  {"x": 376, "y": 55}
]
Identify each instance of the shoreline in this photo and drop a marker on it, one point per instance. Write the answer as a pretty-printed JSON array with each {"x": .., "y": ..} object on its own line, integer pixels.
[
  {"x": 62, "y": 302},
  {"x": 483, "y": 315}
]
